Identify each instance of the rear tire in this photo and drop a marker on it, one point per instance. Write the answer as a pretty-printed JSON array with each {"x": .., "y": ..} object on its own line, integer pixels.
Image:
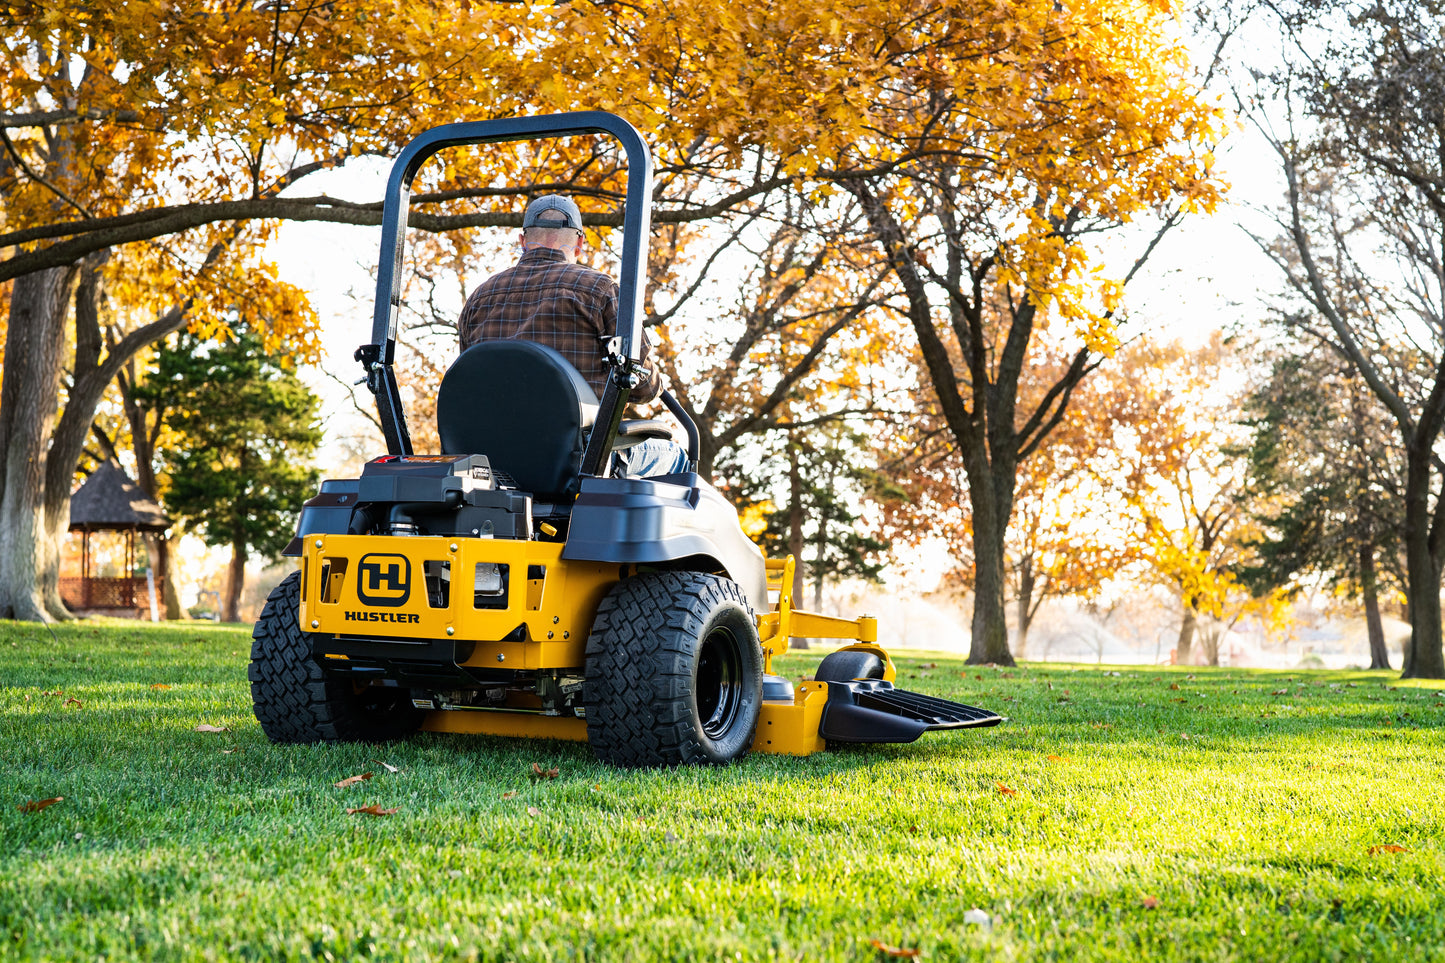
[
  {"x": 295, "y": 701},
  {"x": 674, "y": 672}
]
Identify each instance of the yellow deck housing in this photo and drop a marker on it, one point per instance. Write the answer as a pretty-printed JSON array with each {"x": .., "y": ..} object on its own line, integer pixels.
[{"x": 386, "y": 597}]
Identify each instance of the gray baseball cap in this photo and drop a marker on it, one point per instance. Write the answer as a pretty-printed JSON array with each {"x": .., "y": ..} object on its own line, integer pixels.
[{"x": 552, "y": 210}]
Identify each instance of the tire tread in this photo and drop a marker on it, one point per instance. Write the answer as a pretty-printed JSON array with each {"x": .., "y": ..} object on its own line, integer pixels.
[
  {"x": 639, "y": 667},
  {"x": 293, "y": 699}
]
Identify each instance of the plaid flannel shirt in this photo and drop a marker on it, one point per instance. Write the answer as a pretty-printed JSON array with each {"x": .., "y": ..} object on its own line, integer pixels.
[{"x": 567, "y": 307}]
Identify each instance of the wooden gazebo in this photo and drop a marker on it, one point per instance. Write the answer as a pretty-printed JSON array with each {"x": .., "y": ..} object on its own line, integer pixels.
[{"x": 110, "y": 501}]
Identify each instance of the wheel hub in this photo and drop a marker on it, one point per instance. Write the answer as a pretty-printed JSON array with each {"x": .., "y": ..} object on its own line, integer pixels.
[{"x": 719, "y": 682}]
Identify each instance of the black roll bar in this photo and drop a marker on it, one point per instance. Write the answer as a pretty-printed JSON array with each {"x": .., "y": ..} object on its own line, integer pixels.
[{"x": 378, "y": 354}]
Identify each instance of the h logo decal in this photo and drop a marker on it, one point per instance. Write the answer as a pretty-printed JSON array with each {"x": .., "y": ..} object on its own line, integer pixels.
[{"x": 384, "y": 580}]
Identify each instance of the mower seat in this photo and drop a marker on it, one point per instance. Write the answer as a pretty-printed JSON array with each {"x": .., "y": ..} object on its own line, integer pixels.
[
  {"x": 528, "y": 410},
  {"x": 523, "y": 406}
]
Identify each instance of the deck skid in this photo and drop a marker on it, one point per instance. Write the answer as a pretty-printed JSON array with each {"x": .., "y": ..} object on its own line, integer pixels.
[{"x": 874, "y": 711}]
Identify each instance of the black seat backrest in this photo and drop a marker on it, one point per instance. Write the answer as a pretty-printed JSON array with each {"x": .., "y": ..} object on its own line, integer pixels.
[{"x": 523, "y": 406}]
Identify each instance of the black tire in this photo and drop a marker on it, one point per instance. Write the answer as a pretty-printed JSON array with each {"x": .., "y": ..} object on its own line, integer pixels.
[
  {"x": 297, "y": 702},
  {"x": 674, "y": 672},
  {"x": 849, "y": 664}
]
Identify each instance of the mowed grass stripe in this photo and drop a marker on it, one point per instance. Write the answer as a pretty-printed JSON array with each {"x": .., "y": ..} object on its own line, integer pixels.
[{"x": 1246, "y": 814}]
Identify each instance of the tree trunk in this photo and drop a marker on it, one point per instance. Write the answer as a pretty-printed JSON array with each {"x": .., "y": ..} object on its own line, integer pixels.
[
  {"x": 1025, "y": 604},
  {"x": 795, "y": 533},
  {"x": 1424, "y": 658},
  {"x": 1183, "y": 649},
  {"x": 1379, "y": 654},
  {"x": 235, "y": 581},
  {"x": 990, "y": 623},
  {"x": 168, "y": 585},
  {"x": 174, "y": 610},
  {"x": 29, "y": 397},
  {"x": 88, "y": 383},
  {"x": 1210, "y": 636},
  {"x": 143, "y": 432}
]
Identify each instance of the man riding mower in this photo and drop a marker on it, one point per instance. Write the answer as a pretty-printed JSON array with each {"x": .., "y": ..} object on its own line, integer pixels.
[{"x": 515, "y": 586}]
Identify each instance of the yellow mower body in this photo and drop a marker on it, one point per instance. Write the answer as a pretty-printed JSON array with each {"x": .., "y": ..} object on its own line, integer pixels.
[{"x": 369, "y": 584}]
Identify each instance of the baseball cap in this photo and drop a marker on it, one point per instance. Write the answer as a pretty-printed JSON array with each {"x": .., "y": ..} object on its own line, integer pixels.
[{"x": 552, "y": 210}]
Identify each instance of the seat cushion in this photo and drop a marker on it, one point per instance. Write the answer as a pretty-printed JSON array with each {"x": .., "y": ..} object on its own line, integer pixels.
[{"x": 523, "y": 406}]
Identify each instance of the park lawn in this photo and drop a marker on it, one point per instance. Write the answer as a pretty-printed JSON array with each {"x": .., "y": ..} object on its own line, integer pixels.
[{"x": 1120, "y": 814}]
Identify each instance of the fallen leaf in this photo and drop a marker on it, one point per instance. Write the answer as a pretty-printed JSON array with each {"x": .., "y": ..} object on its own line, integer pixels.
[
  {"x": 1174, "y": 685},
  {"x": 597, "y": 787},
  {"x": 373, "y": 810},
  {"x": 1005, "y": 790},
  {"x": 533, "y": 811},
  {"x": 36, "y": 805},
  {"x": 931, "y": 665},
  {"x": 1056, "y": 758},
  {"x": 887, "y": 950},
  {"x": 1150, "y": 902},
  {"x": 1131, "y": 811},
  {"x": 353, "y": 780},
  {"x": 1102, "y": 725},
  {"x": 1279, "y": 692},
  {"x": 510, "y": 794},
  {"x": 386, "y": 765},
  {"x": 206, "y": 727},
  {"x": 159, "y": 685},
  {"x": 1184, "y": 736},
  {"x": 227, "y": 752},
  {"x": 539, "y": 773},
  {"x": 1388, "y": 848},
  {"x": 72, "y": 701}
]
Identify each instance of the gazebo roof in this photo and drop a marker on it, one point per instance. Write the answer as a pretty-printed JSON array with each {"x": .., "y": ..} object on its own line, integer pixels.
[{"x": 110, "y": 500}]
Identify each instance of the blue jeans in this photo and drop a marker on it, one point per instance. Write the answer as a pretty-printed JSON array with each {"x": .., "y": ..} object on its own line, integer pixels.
[{"x": 651, "y": 458}]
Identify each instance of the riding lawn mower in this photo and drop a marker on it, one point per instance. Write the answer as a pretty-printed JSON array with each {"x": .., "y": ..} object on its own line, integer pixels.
[{"x": 515, "y": 586}]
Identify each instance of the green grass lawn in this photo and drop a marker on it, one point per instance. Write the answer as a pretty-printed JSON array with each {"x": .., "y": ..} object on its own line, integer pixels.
[{"x": 1129, "y": 814}]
